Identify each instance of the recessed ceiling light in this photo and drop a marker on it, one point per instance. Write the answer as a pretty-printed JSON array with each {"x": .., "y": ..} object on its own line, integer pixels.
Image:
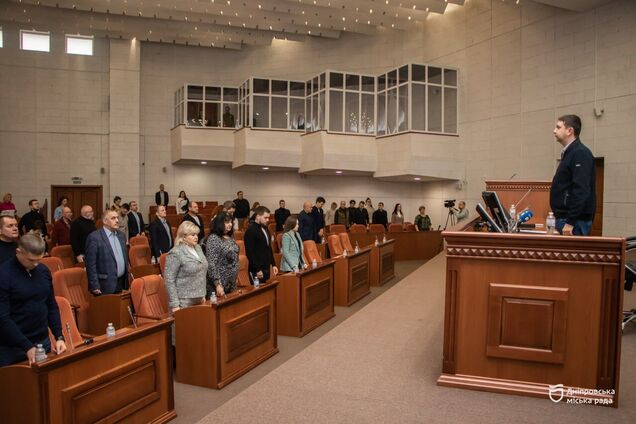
[
  {"x": 203, "y": 162},
  {"x": 338, "y": 172},
  {"x": 265, "y": 168},
  {"x": 417, "y": 178}
]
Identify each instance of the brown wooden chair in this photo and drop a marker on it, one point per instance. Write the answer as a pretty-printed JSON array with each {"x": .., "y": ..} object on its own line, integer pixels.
[
  {"x": 335, "y": 247},
  {"x": 358, "y": 228},
  {"x": 149, "y": 298},
  {"x": 376, "y": 228},
  {"x": 162, "y": 262},
  {"x": 65, "y": 253},
  {"x": 279, "y": 240},
  {"x": 272, "y": 228},
  {"x": 139, "y": 255},
  {"x": 53, "y": 263},
  {"x": 337, "y": 228},
  {"x": 311, "y": 252},
  {"x": 345, "y": 242},
  {"x": 72, "y": 284},
  {"x": 138, "y": 240},
  {"x": 396, "y": 228},
  {"x": 67, "y": 317},
  {"x": 241, "y": 246},
  {"x": 243, "y": 278},
  {"x": 238, "y": 235}
]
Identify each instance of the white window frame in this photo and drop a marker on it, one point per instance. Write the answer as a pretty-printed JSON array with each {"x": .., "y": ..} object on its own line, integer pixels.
[
  {"x": 24, "y": 32},
  {"x": 79, "y": 37},
  {"x": 1, "y": 38}
]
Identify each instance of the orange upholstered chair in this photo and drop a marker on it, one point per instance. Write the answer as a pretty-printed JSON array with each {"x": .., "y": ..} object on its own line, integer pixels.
[
  {"x": 238, "y": 235},
  {"x": 358, "y": 228},
  {"x": 241, "y": 246},
  {"x": 173, "y": 231},
  {"x": 65, "y": 253},
  {"x": 162, "y": 262},
  {"x": 143, "y": 270},
  {"x": 53, "y": 263},
  {"x": 272, "y": 228},
  {"x": 149, "y": 298},
  {"x": 345, "y": 241},
  {"x": 376, "y": 228},
  {"x": 138, "y": 240},
  {"x": 396, "y": 228},
  {"x": 311, "y": 252},
  {"x": 72, "y": 284},
  {"x": 67, "y": 317},
  {"x": 409, "y": 227},
  {"x": 279, "y": 240},
  {"x": 337, "y": 228},
  {"x": 243, "y": 278},
  {"x": 335, "y": 247},
  {"x": 139, "y": 255}
]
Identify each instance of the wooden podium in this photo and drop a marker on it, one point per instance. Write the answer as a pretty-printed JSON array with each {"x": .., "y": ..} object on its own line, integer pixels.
[
  {"x": 218, "y": 343},
  {"x": 526, "y": 311},
  {"x": 382, "y": 262},
  {"x": 352, "y": 277},
  {"x": 124, "y": 379}
]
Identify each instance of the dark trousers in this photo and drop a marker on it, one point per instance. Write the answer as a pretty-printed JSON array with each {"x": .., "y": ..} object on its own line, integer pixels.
[
  {"x": 12, "y": 355},
  {"x": 260, "y": 280}
]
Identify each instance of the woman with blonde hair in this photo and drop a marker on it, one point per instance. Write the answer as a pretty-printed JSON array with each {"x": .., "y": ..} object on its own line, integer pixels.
[{"x": 186, "y": 268}]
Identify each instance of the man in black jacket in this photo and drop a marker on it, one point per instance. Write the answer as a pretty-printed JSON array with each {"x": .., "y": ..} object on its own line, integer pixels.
[
  {"x": 242, "y": 208},
  {"x": 162, "y": 197},
  {"x": 80, "y": 229},
  {"x": 573, "y": 191},
  {"x": 160, "y": 234},
  {"x": 135, "y": 221},
  {"x": 353, "y": 212},
  {"x": 258, "y": 246},
  {"x": 380, "y": 216},
  {"x": 280, "y": 215},
  {"x": 33, "y": 220},
  {"x": 193, "y": 217}
]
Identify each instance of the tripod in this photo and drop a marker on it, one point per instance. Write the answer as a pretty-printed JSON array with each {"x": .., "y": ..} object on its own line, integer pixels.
[{"x": 450, "y": 217}]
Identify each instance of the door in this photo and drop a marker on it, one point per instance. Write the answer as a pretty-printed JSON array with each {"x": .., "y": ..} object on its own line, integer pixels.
[
  {"x": 78, "y": 195},
  {"x": 597, "y": 224}
]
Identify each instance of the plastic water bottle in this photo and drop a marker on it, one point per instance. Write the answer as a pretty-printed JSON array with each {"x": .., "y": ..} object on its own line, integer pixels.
[
  {"x": 153, "y": 260},
  {"x": 213, "y": 297},
  {"x": 376, "y": 241},
  {"x": 314, "y": 264},
  {"x": 110, "y": 330},
  {"x": 257, "y": 283},
  {"x": 550, "y": 223},
  {"x": 384, "y": 238},
  {"x": 322, "y": 240},
  {"x": 357, "y": 248},
  {"x": 40, "y": 353},
  {"x": 513, "y": 217},
  {"x": 344, "y": 253}
]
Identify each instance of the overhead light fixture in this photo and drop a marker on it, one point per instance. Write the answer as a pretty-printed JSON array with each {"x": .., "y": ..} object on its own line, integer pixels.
[
  {"x": 417, "y": 178},
  {"x": 265, "y": 168},
  {"x": 203, "y": 162},
  {"x": 338, "y": 172}
]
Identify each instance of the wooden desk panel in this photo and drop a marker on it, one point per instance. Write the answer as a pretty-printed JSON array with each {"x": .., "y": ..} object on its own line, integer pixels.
[
  {"x": 127, "y": 378},
  {"x": 527, "y": 311},
  {"x": 305, "y": 300},
  {"x": 352, "y": 277},
  {"x": 216, "y": 344},
  {"x": 412, "y": 245},
  {"x": 382, "y": 262},
  {"x": 108, "y": 308}
]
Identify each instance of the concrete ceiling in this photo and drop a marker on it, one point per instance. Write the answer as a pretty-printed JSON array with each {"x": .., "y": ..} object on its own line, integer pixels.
[
  {"x": 574, "y": 5},
  {"x": 221, "y": 23}
]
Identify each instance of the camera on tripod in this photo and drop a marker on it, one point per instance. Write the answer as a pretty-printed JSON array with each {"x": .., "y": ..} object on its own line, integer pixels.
[{"x": 449, "y": 203}]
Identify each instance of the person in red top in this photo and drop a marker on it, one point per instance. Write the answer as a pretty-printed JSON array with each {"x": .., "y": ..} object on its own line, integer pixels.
[
  {"x": 62, "y": 228},
  {"x": 7, "y": 205}
]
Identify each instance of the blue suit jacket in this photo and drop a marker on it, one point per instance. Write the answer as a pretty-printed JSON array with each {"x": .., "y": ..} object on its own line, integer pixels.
[{"x": 101, "y": 266}]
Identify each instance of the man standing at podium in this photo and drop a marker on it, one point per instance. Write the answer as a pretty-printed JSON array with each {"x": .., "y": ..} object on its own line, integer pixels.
[{"x": 573, "y": 195}]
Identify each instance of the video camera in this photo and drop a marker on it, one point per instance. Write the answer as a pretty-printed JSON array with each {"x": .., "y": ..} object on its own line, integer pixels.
[{"x": 449, "y": 203}]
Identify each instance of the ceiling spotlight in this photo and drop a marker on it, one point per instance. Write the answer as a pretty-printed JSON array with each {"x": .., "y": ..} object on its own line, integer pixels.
[
  {"x": 417, "y": 178},
  {"x": 338, "y": 172},
  {"x": 203, "y": 162},
  {"x": 265, "y": 168}
]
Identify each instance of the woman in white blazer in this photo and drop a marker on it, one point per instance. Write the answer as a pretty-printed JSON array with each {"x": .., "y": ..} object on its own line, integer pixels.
[{"x": 292, "y": 248}]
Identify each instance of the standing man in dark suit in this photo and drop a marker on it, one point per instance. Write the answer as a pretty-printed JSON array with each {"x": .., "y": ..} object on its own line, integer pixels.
[
  {"x": 33, "y": 220},
  {"x": 160, "y": 234},
  {"x": 380, "y": 216},
  {"x": 573, "y": 190},
  {"x": 135, "y": 221},
  {"x": 306, "y": 225},
  {"x": 280, "y": 215},
  {"x": 242, "y": 208},
  {"x": 353, "y": 213},
  {"x": 107, "y": 257},
  {"x": 193, "y": 217},
  {"x": 319, "y": 218},
  {"x": 258, "y": 246},
  {"x": 162, "y": 197},
  {"x": 80, "y": 229}
]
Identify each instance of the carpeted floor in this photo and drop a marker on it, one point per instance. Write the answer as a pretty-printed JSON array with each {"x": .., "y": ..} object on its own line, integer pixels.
[{"x": 381, "y": 365}]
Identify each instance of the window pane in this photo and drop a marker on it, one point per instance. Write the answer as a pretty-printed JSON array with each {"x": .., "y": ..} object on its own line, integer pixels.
[
  {"x": 315, "y": 85},
  {"x": 404, "y": 74},
  {"x": 297, "y": 114},
  {"x": 37, "y": 42},
  {"x": 212, "y": 114},
  {"x": 418, "y": 112},
  {"x": 308, "y": 88},
  {"x": 351, "y": 111},
  {"x": 230, "y": 94},
  {"x": 279, "y": 87},
  {"x": 79, "y": 45},
  {"x": 450, "y": 110},
  {"x": 434, "y": 75},
  {"x": 367, "y": 116},
  {"x": 261, "y": 86},
  {"x": 418, "y": 73},
  {"x": 229, "y": 114},
  {"x": 403, "y": 112},
  {"x": 314, "y": 112},
  {"x": 321, "y": 110},
  {"x": 323, "y": 81},
  {"x": 391, "y": 118},
  {"x": 450, "y": 77},
  {"x": 382, "y": 82},
  {"x": 195, "y": 114},
  {"x": 335, "y": 110},
  {"x": 434, "y": 109},
  {"x": 297, "y": 89},
  {"x": 195, "y": 92},
  {"x": 391, "y": 78},
  {"x": 368, "y": 84},
  {"x": 1, "y": 39},
  {"x": 353, "y": 82},
  {"x": 212, "y": 93},
  {"x": 261, "y": 112},
  {"x": 335, "y": 79},
  {"x": 279, "y": 112},
  {"x": 381, "y": 114}
]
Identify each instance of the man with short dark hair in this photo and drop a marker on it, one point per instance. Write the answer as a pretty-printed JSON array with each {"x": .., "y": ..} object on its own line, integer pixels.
[
  {"x": 107, "y": 257},
  {"x": 8, "y": 237},
  {"x": 80, "y": 229},
  {"x": 353, "y": 212},
  {"x": 319, "y": 218},
  {"x": 193, "y": 217},
  {"x": 242, "y": 208},
  {"x": 363, "y": 214},
  {"x": 27, "y": 304},
  {"x": 280, "y": 215},
  {"x": 342, "y": 215},
  {"x": 135, "y": 221},
  {"x": 162, "y": 197},
  {"x": 380, "y": 215},
  {"x": 62, "y": 228},
  {"x": 33, "y": 220},
  {"x": 160, "y": 234},
  {"x": 258, "y": 246},
  {"x": 573, "y": 189}
]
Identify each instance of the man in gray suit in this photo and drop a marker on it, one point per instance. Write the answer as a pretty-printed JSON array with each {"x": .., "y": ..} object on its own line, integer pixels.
[{"x": 107, "y": 257}]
